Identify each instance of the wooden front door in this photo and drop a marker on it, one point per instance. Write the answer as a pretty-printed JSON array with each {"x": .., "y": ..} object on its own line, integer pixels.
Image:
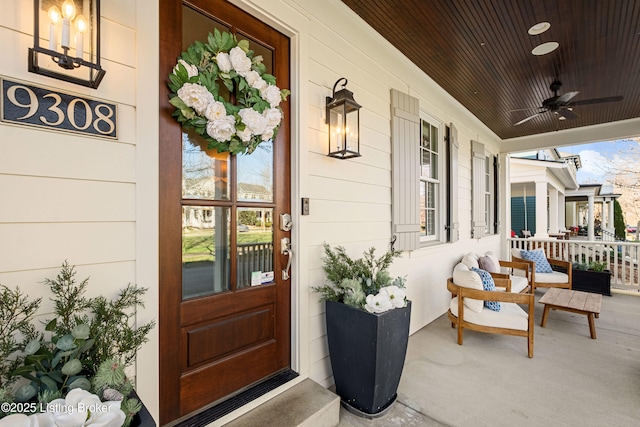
[{"x": 224, "y": 301}]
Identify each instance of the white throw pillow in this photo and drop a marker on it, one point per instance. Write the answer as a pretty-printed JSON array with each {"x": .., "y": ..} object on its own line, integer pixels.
[
  {"x": 470, "y": 260},
  {"x": 463, "y": 276},
  {"x": 515, "y": 252}
]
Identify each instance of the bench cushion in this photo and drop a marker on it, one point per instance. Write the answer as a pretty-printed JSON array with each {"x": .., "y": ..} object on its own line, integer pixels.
[
  {"x": 510, "y": 316},
  {"x": 518, "y": 284},
  {"x": 555, "y": 277},
  {"x": 463, "y": 276}
]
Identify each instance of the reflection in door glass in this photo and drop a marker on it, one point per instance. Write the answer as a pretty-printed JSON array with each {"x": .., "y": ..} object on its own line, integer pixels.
[
  {"x": 255, "y": 246},
  {"x": 205, "y": 250},
  {"x": 255, "y": 174},
  {"x": 204, "y": 171}
]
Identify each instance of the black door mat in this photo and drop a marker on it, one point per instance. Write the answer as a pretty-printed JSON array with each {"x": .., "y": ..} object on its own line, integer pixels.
[{"x": 220, "y": 410}]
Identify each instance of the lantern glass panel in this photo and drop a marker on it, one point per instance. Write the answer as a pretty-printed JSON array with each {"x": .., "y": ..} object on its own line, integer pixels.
[
  {"x": 336, "y": 129},
  {"x": 351, "y": 131}
]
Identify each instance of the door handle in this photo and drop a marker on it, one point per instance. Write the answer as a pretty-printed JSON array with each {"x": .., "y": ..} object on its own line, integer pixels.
[{"x": 285, "y": 249}]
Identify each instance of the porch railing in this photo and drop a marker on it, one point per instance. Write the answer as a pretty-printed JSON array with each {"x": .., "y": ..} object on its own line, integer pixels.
[
  {"x": 253, "y": 257},
  {"x": 622, "y": 258}
]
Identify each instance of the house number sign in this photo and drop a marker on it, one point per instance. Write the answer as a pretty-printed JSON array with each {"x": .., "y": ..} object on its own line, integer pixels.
[{"x": 31, "y": 105}]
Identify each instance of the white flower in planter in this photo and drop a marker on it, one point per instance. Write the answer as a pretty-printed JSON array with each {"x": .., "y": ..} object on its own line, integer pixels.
[
  {"x": 396, "y": 295},
  {"x": 378, "y": 303}
]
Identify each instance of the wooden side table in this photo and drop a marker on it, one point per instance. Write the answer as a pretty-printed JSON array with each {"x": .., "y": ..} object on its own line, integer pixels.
[{"x": 574, "y": 301}]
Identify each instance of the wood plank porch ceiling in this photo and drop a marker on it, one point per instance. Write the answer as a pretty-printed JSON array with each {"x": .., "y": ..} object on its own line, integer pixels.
[{"x": 480, "y": 53}]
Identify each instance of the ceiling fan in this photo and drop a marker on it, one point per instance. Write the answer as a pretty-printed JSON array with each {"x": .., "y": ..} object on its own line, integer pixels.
[{"x": 561, "y": 105}]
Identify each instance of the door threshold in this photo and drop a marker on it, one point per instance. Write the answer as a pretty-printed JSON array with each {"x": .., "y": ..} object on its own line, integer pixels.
[{"x": 229, "y": 405}]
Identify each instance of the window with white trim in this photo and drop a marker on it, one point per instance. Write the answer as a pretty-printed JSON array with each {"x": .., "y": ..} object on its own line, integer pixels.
[
  {"x": 430, "y": 154},
  {"x": 485, "y": 170}
]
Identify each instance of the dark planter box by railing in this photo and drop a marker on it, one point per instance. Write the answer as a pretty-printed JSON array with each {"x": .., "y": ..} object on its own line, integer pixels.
[
  {"x": 367, "y": 353},
  {"x": 592, "y": 281}
]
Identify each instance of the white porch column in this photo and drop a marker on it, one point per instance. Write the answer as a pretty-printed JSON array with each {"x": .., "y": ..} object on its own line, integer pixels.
[
  {"x": 554, "y": 211},
  {"x": 541, "y": 209},
  {"x": 612, "y": 222},
  {"x": 572, "y": 214},
  {"x": 505, "y": 202},
  {"x": 590, "y": 221},
  {"x": 562, "y": 212}
]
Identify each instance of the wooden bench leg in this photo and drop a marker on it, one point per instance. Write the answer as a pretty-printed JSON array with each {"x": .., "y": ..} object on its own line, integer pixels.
[
  {"x": 592, "y": 325},
  {"x": 545, "y": 314}
]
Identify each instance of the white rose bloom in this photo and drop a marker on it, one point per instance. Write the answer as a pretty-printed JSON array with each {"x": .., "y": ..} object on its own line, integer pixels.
[
  {"x": 274, "y": 117},
  {"x": 192, "y": 70},
  {"x": 256, "y": 122},
  {"x": 271, "y": 94},
  {"x": 215, "y": 111},
  {"x": 245, "y": 135},
  {"x": 195, "y": 96},
  {"x": 396, "y": 295},
  {"x": 267, "y": 135},
  {"x": 255, "y": 81},
  {"x": 222, "y": 129},
  {"x": 16, "y": 420},
  {"x": 81, "y": 408},
  {"x": 378, "y": 303},
  {"x": 240, "y": 61},
  {"x": 224, "y": 62}
]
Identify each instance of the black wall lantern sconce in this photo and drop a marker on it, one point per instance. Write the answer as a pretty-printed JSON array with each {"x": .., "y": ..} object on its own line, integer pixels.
[
  {"x": 343, "y": 118},
  {"x": 74, "y": 41}
]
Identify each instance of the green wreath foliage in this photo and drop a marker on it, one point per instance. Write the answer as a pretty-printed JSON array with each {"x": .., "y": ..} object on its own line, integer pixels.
[{"x": 236, "y": 121}]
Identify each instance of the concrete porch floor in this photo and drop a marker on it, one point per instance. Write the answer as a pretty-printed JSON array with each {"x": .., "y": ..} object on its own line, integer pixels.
[{"x": 572, "y": 380}]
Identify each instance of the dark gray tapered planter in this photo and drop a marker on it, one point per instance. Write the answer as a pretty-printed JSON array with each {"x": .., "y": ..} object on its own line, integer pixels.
[
  {"x": 142, "y": 418},
  {"x": 367, "y": 353},
  {"x": 598, "y": 282}
]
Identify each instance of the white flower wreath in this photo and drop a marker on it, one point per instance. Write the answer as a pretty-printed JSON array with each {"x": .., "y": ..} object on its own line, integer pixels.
[{"x": 234, "y": 127}]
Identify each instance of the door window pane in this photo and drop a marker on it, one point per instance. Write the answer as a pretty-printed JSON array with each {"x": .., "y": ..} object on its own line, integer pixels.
[
  {"x": 255, "y": 174},
  {"x": 205, "y": 250},
  {"x": 255, "y": 246},
  {"x": 205, "y": 172}
]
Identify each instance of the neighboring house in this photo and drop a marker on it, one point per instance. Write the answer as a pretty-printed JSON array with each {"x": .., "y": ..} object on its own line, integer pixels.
[
  {"x": 592, "y": 207},
  {"x": 546, "y": 198},
  {"x": 431, "y": 177},
  {"x": 539, "y": 183}
]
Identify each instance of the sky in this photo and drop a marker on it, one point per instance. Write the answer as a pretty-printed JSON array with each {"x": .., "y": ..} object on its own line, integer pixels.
[{"x": 594, "y": 156}]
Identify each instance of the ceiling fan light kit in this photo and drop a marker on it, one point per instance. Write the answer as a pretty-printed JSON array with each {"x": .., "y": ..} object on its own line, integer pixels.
[{"x": 562, "y": 105}]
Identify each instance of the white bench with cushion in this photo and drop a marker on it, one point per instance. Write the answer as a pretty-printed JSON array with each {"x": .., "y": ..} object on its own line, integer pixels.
[
  {"x": 467, "y": 309},
  {"x": 517, "y": 272},
  {"x": 542, "y": 274}
]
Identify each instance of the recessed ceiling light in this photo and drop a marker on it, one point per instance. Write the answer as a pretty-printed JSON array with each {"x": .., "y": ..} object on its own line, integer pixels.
[
  {"x": 545, "y": 48},
  {"x": 539, "y": 28}
]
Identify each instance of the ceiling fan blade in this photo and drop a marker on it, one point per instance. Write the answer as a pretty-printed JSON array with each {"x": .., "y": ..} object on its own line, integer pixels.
[
  {"x": 566, "y": 97},
  {"x": 597, "y": 100},
  {"x": 529, "y": 118},
  {"x": 528, "y": 109},
  {"x": 567, "y": 114}
]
